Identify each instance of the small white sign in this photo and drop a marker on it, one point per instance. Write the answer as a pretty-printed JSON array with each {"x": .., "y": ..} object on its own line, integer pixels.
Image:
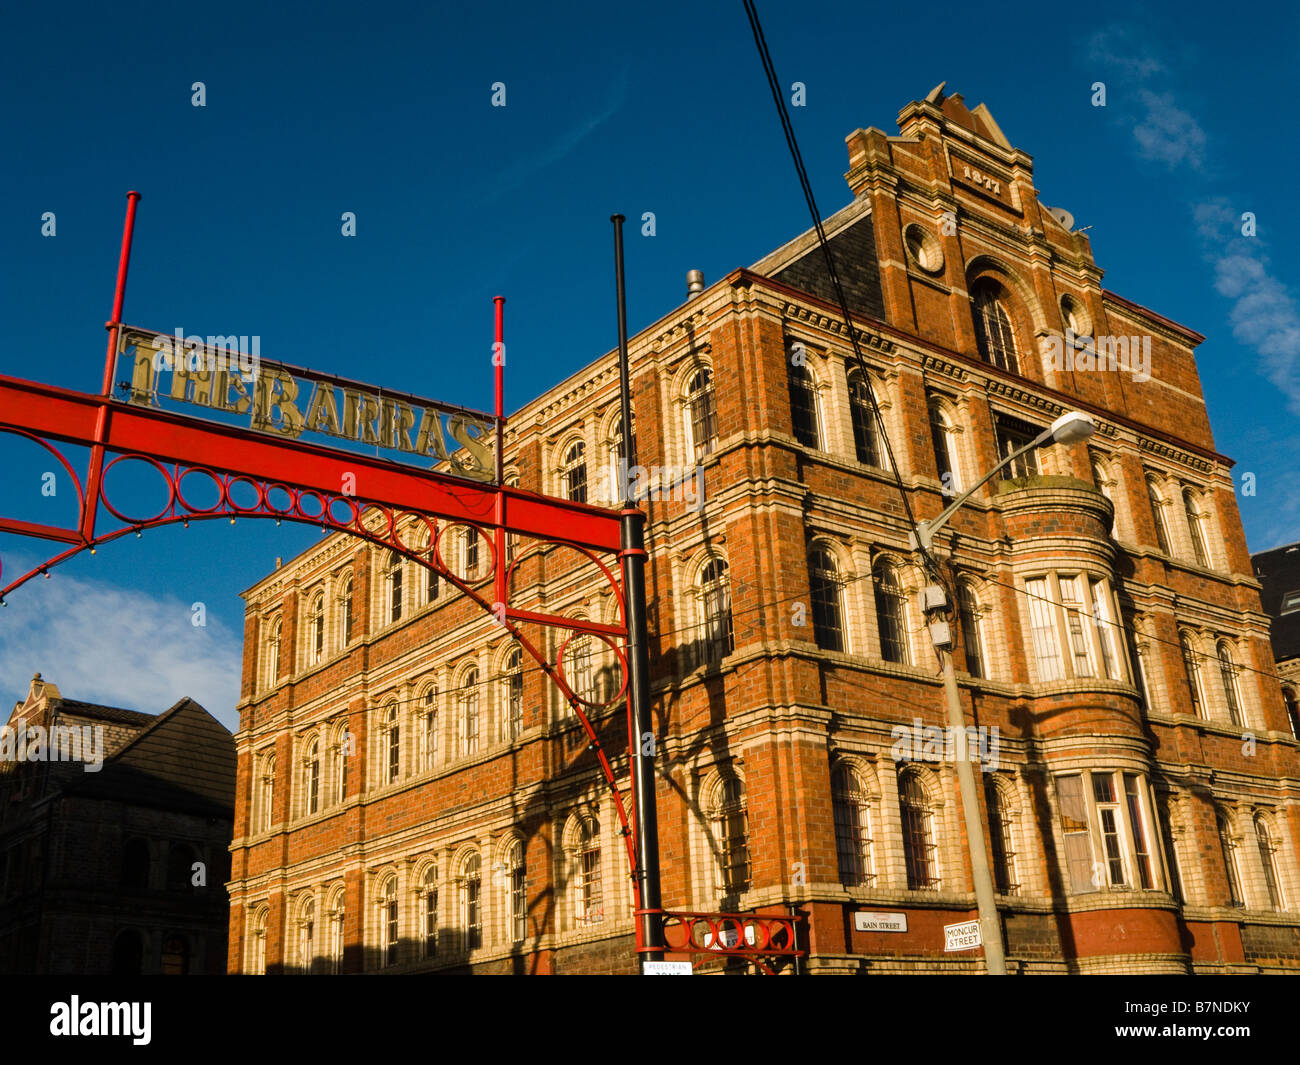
[
  {"x": 880, "y": 922},
  {"x": 964, "y": 936},
  {"x": 666, "y": 968}
]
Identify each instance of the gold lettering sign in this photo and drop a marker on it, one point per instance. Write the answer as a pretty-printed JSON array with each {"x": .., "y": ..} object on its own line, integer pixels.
[{"x": 271, "y": 398}]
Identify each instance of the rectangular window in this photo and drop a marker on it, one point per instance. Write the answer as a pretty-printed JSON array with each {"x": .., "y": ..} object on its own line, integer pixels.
[
  {"x": 1014, "y": 434},
  {"x": 1042, "y": 624},
  {"x": 1080, "y": 652},
  {"x": 1106, "y": 634},
  {"x": 1133, "y": 795},
  {"x": 1290, "y": 602},
  {"x": 1108, "y": 815},
  {"x": 1075, "y": 833}
]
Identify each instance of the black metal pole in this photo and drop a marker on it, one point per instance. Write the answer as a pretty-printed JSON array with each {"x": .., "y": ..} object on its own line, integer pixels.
[{"x": 632, "y": 558}]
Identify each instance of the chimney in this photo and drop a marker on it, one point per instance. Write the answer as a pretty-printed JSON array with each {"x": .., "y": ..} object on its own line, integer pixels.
[
  {"x": 278, "y": 562},
  {"x": 694, "y": 283}
]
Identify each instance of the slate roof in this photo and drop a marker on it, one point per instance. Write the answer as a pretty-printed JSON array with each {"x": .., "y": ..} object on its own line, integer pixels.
[{"x": 1278, "y": 571}]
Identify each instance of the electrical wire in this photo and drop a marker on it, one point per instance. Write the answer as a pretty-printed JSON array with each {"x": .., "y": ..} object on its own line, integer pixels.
[{"x": 797, "y": 158}]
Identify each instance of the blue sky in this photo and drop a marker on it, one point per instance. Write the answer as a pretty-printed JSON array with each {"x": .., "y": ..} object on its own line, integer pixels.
[{"x": 385, "y": 111}]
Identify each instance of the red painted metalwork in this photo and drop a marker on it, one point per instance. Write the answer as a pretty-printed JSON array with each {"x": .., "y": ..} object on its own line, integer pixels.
[
  {"x": 755, "y": 937},
  {"x": 292, "y": 480}
]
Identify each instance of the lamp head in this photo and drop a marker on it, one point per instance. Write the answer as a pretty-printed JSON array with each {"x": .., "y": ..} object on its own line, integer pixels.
[{"x": 1071, "y": 426}]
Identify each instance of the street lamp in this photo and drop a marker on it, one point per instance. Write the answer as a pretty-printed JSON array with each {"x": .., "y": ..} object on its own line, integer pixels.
[{"x": 1068, "y": 428}]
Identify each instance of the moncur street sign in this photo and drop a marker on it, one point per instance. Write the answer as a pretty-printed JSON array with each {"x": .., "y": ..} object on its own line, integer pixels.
[{"x": 211, "y": 376}]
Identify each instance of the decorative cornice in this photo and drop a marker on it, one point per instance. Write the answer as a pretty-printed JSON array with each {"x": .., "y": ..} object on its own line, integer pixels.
[
  {"x": 802, "y": 313},
  {"x": 943, "y": 367},
  {"x": 1183, "y": 458},
  {"x": 678, "y": 330}
]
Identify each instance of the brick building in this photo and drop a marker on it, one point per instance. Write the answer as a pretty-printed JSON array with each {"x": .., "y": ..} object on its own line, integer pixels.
[
  {"x": 412, "y": 798},
  {"x": 114, "y": 860},
  {"x": 1278, "y": 571}
]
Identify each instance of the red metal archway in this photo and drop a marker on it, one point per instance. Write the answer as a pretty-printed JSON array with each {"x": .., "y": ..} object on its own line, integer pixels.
[{"x": 269, "y": 473}]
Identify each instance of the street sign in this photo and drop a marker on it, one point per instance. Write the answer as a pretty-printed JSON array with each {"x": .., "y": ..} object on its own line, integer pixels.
[
  {"x": 880, "y": 922},
  {"x": 666, "y": 968},
  {"x": 964, "y": 936}
]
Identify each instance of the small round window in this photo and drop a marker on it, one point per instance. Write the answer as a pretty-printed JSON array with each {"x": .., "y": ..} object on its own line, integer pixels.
[
  {"x": 1075, "y": 317},
  {"x": 923, "y": 248}
]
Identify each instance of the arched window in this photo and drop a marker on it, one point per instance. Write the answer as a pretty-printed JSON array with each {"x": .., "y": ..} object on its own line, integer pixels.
[
  {"x": 943, "y": 439},
  {"x": 1196, "y": 527},
  {"x": 311, "y": 776},
  {"x": 1292, "y": 710},
  {"x": 470, "y": 889},
  {"x": 307, "y": 936},
  {"x": 428, "y": 728},
  {"x": 919, "y": 847},
  {"x": 1228, "y": 852},
  {"x": 1158, "y": 515},
  {"x": 316, "y": 629},
  {"x": 345, "y": 607},
  {"x": 1001, "y": 837},
  {"x": 573, "y": 472},
  {"x": 388, "y": 929},
  {"x": 588, "y": 895},
  {"x": 971, "y": 616},
  {"x": 1192, "y": 669},
  {"x": 469, "y": 713},
  {"x": 429, "y": 913},
  {"x": 620, "y": 464},
  {"x": 469, "y": 553},
  {"x": 135, "y": 865},
  {"x": 512, "y": 692},
  {"x": 339, "y": 752},
  {"x": 392, "y": 731},
  {"x": 128, "y": 953},
  {"x": 730, "y": 817},
  {"x": 337, "y": 914},
  {"x": 866, "y": 429},
  {"x": 268, "y": 792},
  {"x": 827, "y": 600},
  {"x": 803, "y": 405},
  {"x": 393, "y": 577},
  {"x": 430, "y": 574},
  {"x": 1229, "y": 674},
  {"x": 704, "y": 417},
  {"x": 257, "y": 958},
  {"x": 175, "y": 955},
  {"x": 512, "y": 539},
  {"x": 1101, "y": 477},
  {"x": 579, "y": 668},
  {"x": 994, "y": 331},
  {"x": 1268, "y": 859},
  {"x": 715, "y": 610},
  {"x": 891, "y": 613},
  {"x": 516, "y": 886},
  {"x": 273, "y": 653},
  {"x": 852, "y": 813}
]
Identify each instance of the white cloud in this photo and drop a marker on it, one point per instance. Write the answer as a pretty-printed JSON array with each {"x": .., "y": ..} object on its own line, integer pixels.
[
  {"x": 1264, "y": 314},
  {"x": 121, "y": 647},
  {"x": 1167, "y": 133},
  {"x": 1126, "y": 49}
]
